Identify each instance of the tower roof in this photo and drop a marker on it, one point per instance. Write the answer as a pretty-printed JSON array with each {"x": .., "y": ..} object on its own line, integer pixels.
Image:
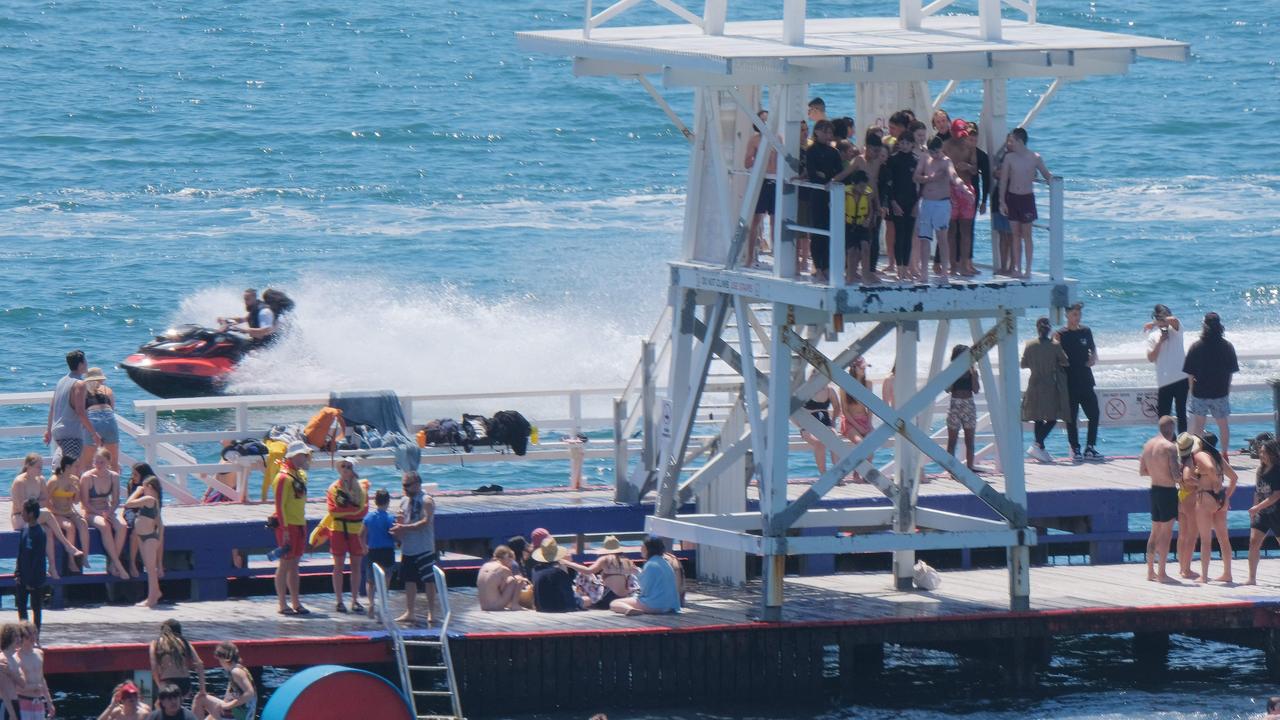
[{"x": 849, "y": 50}]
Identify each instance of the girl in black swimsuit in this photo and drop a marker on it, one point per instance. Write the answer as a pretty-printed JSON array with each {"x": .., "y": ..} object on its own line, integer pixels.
[
  {"x": 1208, "y": 469},
  {"x": 824, "y": 405}
]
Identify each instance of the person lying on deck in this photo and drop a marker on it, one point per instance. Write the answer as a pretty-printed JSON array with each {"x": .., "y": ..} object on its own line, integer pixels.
[
  {"x": 496, "y": 586},
  {"x": 658, "y": 592}
]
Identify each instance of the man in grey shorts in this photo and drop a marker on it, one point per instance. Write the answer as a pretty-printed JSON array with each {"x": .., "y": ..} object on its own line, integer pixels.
[
  {"x": 68, "y": 424},
  {"x": 1210, "y": 363}
]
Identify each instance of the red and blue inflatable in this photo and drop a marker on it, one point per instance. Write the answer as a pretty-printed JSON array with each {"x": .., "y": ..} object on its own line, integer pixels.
[{"x": 335, "y": 692}]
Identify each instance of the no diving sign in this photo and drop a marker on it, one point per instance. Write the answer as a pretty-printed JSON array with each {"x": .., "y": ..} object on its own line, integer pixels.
[{"x": 1128, "y": 406}]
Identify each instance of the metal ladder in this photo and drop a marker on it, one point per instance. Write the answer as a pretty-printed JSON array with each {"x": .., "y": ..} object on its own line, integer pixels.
[{"x": 440, "y": 669}]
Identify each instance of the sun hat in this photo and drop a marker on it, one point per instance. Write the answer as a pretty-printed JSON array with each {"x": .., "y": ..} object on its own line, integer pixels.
[
  {"x": 350, "y": 461},
  {"x": 95, "y": 374},
  {"x": 610, "y": 546},
  {"x": 1187, "y": 444},
  {"x": 537, "y": 536},
  {"x": 550, "y": 551},
  {"x": 959, "y": 128},
  {"x": 297, "y": 447}
]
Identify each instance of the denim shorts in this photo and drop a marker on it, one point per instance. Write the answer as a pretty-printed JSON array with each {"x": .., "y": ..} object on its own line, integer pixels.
[{"x": 104, "y": 423}]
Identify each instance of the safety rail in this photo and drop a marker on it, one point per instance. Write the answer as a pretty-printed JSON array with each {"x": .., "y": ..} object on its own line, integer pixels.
[{"x": 381, "y": 609}]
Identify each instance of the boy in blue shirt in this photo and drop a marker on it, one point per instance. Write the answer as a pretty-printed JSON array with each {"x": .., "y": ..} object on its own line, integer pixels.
[{"x": 377, "y": 538}]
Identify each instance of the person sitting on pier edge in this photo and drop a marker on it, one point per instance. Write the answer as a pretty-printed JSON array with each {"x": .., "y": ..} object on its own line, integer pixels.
[
  {"x": 169, "y": 705},
  {"x": 1159, "y": 461},
  {"x": 1082, "y": 355},
  {"x": 31, "y": 485},
  {"x": 658, "y": 591},
  {"x": 347, "y": 500},
  {"x": 29, "y": 575},
  {"x": 291, "y": 525},
  {"x": 126, "y": 704},
  {"x": 68, "y": 424},
  {"x": 552, "y": 583},
  {"x": 378, "y": 541},
  {"x": 962, "y": 413},
  {"x": 1165, "y": 350},
  {"x": 521, "y": 567},
  {"x": 173, "y": 659},
  {"x": 1207, "y": 471},
  {"x": 1211, "y": 361},
  {"x": 415, "y": 528},
  {"x": 535, "y": 541},
  {"x": 100, "y": 496},
  {"x": 497, "y": 588},
  {"x": 64, "y": 493},
  {"x": 240, "y": 702},
  {"x": 1264, "y": 516},
  {"x": 1046, "y": 397},
  {"x": 821, "y": 164}
]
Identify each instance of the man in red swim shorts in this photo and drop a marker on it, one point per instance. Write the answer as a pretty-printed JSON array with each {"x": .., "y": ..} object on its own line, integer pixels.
[{"x": 1017, "y": 199}]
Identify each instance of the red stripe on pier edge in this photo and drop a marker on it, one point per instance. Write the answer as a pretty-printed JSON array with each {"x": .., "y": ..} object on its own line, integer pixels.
[{"x": 283, "y": 652}]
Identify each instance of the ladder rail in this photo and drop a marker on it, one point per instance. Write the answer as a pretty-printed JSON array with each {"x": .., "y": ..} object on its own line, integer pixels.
[
  {"x": 393, "y": 630},
  {"x": 442, "y": 591}
]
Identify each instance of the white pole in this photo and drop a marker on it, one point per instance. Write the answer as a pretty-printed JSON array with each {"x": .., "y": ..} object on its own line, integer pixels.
[
  {"x": 910, "y": 14},
  {"x": 1010, "y": 447},
  {"x": 905, "y": 455},
  {"x": 793, "y": 13},
  {"x": 1057, "y": 248},
  {"x": 989, "y": 19},
  {"x": 713, "y": 16},
  {"x": 835, "y": 224}
]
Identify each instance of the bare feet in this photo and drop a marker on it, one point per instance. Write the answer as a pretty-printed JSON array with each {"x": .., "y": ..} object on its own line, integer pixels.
[
  {"x": 1251, "y": 581},
  {"x": 1166, "y": 580},
  {"x": 1224, "y": 579},
  {"x": 407, "y": 618},
  {"x": 1190, "y": 575}
]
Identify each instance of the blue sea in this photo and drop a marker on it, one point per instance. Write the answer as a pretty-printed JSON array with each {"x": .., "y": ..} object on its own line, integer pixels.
[{"x": 454, "y": 215}]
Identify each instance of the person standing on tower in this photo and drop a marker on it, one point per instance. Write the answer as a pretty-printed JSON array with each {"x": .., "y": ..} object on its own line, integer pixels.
[{"x": 1082, "y": 354}]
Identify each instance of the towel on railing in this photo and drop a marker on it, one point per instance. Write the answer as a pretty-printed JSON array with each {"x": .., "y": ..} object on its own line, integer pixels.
[{"x": 381, "y": 409}]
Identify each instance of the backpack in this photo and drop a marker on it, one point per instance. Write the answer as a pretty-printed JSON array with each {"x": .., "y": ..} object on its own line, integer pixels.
[
  {"x": 325, "y": 429},
  {"x": 511, "y": 429},
  {"x": 243, "y": 448}
]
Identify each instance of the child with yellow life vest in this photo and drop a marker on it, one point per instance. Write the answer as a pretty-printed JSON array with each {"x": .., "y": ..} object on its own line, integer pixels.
[
  {"x": 860, "y": 211},
  {"x": 347, "y": 502}
]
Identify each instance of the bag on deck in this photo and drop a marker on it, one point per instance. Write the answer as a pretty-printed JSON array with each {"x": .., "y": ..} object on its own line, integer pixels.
[
  {"x": 511, "y": 429},
  {"x": 325, "y": 429},
  {"x": 242, "y": 448},
  {"x": 925, "y": 577}
]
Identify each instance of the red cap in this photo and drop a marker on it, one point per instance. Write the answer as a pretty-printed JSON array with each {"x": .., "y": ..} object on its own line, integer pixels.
[
  {"x": 959, "y": 128},
  {"x": 128, "y": 689}
]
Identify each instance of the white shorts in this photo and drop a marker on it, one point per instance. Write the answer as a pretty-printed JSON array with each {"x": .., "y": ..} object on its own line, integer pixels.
[{"x": 935, "y": 216}]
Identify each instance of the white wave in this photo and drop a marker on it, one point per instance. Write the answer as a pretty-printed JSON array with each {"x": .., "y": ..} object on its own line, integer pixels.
[
  {"x": 1253, "y": 198},
  {"x": 362, "y": 334}
]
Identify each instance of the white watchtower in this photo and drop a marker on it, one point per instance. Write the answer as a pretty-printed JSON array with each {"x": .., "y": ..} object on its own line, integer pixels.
[{"x": 886, "y": 63}]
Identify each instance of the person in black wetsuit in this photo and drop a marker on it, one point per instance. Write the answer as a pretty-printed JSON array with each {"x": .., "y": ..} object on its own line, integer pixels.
[
  {"x": 898, "y": 196},
  {"x": 823, "y": 406},
  {"x": 821, "y": 163},
  {"x": 1082, "y": 354}
]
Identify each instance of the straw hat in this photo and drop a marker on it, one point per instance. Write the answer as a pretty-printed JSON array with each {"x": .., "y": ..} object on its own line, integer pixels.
[
  {"x": 611, "y": 546},
  {"x": 550, "y": 551},
  {"x": 1187, "y": 444},
  {"x": 297, "y": 447},
  {"x": 95, "y": 375}
]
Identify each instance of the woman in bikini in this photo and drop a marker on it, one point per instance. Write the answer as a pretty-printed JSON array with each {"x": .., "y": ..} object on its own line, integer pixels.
[
  {"x": 823, "y": 406},
  {"x": 148, "y": 527},
  {"x": 30, "y": 484},
  {"x": 64, "y": 493},
  {"x": 1207, "y": 470},
  {"x": 241, "y": 699},
  {"x": 100, "y": 408},
  {"x": 100, "y": 496},
  {"x": 615, "y": 570},
  {"x": 173, "y": 659},
  {"x": 855, "y": 418},
  {"x": 140, "y": 471}
]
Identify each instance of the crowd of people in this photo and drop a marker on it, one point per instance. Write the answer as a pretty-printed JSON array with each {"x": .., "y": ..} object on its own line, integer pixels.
[{"x": 910, "y": 186}]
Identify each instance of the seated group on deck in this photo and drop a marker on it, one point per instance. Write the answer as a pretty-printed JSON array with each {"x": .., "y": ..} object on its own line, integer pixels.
[
  {"x": 545, "y": 579},
  {"x": 921, "y": 184}
]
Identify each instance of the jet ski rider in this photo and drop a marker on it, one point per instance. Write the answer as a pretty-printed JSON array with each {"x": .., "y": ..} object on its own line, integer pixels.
[{"x": 259, "y": 320}]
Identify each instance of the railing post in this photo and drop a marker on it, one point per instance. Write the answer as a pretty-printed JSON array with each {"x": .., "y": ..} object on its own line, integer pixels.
[
  {"x": 648, "y": 400},
  {"x": 586, "y": 19},
  {"x": 149, "y": 442},
  {"x": 1057, "y": 250},
  {"x": 622, "y": 490},
  {"x": 835, "y": 227},
  {"x": 575, "y": 412}
]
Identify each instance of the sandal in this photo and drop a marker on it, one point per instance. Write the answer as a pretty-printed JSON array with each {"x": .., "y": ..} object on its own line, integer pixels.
[
  {"x": 287, "y": 611},
  {"x": 340, "y": 607},
  {"x": 357, "y": 607},
  {"x": 301, "y": 611}
]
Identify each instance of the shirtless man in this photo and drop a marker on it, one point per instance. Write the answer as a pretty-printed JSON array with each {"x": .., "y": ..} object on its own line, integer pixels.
[
  {"x": 1159, "y": 461},
  {"x": 33, "y": 695},
  {"x": 1017, "y": 195},
  {"x": 496, "y": 587},
  {"x": 768, "y": 192},
  {"x": 936, "y": 175}
]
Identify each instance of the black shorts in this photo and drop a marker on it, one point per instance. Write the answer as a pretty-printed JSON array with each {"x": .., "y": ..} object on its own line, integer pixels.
[
  {"x": 384, "y": 558},
  {"x": 768, "y": 196},
  {"x": 1164, "y": 503},
  {"x": 417, "y": 569},
  {"x": 855, "y": 235},
  {"x": 1266, "y": 522}
]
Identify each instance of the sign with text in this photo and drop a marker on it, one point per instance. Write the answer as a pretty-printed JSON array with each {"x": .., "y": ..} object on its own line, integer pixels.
[{"x": 1127, "y": 406}]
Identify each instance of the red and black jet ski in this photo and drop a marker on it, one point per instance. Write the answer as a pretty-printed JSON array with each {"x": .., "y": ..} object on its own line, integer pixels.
[{"x": 187, "y": 361}]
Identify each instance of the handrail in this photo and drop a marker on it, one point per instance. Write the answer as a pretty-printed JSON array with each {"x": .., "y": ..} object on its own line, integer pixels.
[
  {"x": 393, "y": 630},
  {"x": 442, "y": 591}
]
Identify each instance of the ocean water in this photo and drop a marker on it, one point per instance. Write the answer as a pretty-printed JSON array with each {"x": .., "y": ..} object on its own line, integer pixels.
[{"x": 455, "y": 215}]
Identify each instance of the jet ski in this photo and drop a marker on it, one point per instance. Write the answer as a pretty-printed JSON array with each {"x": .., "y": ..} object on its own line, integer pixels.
[{"x": 187, "y": 361}]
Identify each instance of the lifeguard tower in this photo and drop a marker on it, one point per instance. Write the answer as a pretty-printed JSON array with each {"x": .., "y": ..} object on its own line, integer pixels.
[{"x": 716, "y": 305}]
